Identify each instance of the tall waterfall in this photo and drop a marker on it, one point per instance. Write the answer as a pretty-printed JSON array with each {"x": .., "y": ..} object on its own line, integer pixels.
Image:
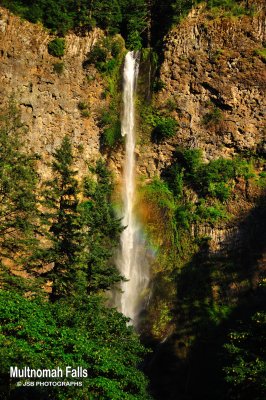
[{"x": 131, "y": 260}]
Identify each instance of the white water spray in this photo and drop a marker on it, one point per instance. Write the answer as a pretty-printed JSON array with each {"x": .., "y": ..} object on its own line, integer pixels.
[{"x": 132, "y": 260}]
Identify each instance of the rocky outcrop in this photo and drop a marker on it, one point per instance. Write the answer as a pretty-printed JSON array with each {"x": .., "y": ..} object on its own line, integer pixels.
[
  {"x": 48, "y": 99},
  {"x": 214, "y": 84}
]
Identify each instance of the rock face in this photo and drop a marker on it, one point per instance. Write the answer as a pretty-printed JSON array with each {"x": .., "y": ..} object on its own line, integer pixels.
[
  {"x": 214, "y": 85},
  {"x": 49, "y": 100}
]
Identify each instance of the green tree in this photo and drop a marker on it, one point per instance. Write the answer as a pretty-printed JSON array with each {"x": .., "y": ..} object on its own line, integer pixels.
[
  {"x": 56, "y": 47},
  {"x": 44, "y": 335},
  {"x": 102, "y": 230},
  {"x": 83, "y": 234},
  {"x": 18, "y": 194},
  {"x": 61, "y": 215},
  {"x": 246, "y": 359},
  {"x": 107, "y": 14},
  {"x": 134, "y": 24}
]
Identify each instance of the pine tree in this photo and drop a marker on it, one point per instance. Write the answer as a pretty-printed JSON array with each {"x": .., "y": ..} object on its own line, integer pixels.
[
  {"x": 82, "y": 234},
  {"x": 61, "y": 215},
  {"x": 18, "y": 196},
  {"x": 102, "y": 229}
]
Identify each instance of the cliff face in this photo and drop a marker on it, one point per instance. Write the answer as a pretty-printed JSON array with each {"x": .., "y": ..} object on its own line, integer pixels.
[
  {"x": 214, "y": 83},
  {"x": 49, "y": 100}
]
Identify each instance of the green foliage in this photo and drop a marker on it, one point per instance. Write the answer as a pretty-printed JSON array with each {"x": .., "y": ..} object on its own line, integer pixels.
[
  {"x": 160, "y": 193},
  {"x": 261, "y": 53},
  {"x": 262, "y": 179},
  {"x": 56, "y": 47},
  {"x": 128, "y": 17},
  {"x": 214, "y": 179},
  {"x": 85, "y": 334},
  {"x": 59, "y": 67},
  {"x": 158, "y": 85},
  {"x": 191, "y": 160},
  {"x": 107, "y": 56},
  {"x": 230, "y": 7},
  {"x": 111, "y": 126},
  {"x": 213, "y": 117},
  {"x": 83, "y": 235},
  {"x": 83, "y": 107},
  {"x": 165, "y": 128},
  {"x": 101, "y": 231},
  {"x": 134, "y": 22},
  {"x": 98, "y": 55},
  {"x": 140, "y": 22},
  {"x": 211, "y": 213},
  {"x": 19, "y": 216},
  {"x": 79, "y": 236},
  {"x": 246, "y": 358},
  {"x": 61, "y": 216}
]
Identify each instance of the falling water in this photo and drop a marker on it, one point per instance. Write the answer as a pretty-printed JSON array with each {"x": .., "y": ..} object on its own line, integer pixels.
[{"x": 132, "y": 260}]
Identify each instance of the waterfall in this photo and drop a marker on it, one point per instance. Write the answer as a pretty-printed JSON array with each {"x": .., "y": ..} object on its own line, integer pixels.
[{"x": 131, "y": 260}]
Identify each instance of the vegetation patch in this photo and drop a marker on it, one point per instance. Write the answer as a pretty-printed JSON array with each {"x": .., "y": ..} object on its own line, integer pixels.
[
  {"x": 59, "y": 67},
  {"x": 261, "y": 53},
  {"x": 190, "y": 194},
  {"x": 161, "y": 125},
  {"x": 213, "y": 117},
  {"x": 56, "y": 47},
  {"x": 107, "y": 57}
]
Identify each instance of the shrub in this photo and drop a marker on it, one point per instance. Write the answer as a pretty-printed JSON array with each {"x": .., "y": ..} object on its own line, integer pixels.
[
  {"x": 116, "y": 48},
  {"x": 213, "y": 117},
  {"x": 229, "y": 7},
  {"x": 244, "y": 168},
  {"x": 184, "y": 216},
  {"x": 211, "y": 213},
  {"x": 262, "y": 179},
  {"x": 165, "y": 128},
  {"x": 107, "y": 66},
  {"x": 82, "y": 105},
  {"x": 57, "y": 47},
  {"x": 176, "y": 182},
  {"x": 220, "y": 190},
  {"x": 215, "y": 178},
  {"x": 85, "y": 113},
  {"x": 134, "y": 41},
  {"x": 158, "y": 192},
  {"x": 192, "y": 160},
  {"x": 158, "y": 85},
  {"x": 112, "y": 134},
  {"x": 98, "y": 54},
  {"x": 170, "y": 104},
  {"x": 58, "y": 67},
  {"x": 261, "y": 53}
]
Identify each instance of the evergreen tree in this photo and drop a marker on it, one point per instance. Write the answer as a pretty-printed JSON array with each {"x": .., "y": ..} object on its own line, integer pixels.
[
  {"x": 83, "y": 235},
  {"x": 61, "y": 214},
  {"x": 102, "y": 230},
  {"x": 107, "y": 14},
  {"x": 134, "y": 22},
  {"x": 18, "y": 195}
]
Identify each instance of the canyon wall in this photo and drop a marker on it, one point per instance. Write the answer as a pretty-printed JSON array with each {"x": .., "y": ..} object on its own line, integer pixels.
[
  {"x": 214, "y": 82},
  {"x": 49, "y": 100},
  {"x": 213, "y": 77}
]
